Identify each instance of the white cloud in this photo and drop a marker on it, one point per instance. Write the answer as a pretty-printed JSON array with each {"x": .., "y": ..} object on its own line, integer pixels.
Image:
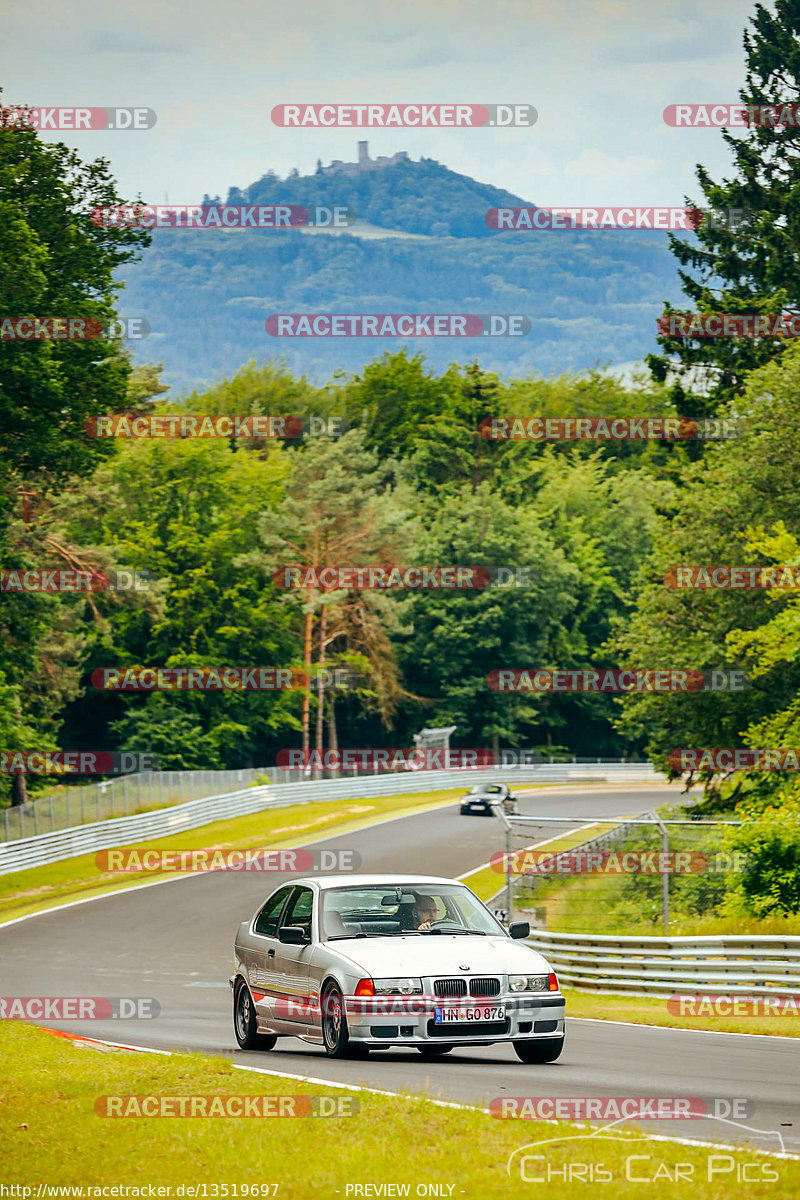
[{"x": 599, "y": 72}]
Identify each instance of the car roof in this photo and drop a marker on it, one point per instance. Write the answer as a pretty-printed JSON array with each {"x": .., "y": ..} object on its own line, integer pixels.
[{"x": 325, "y": 882}]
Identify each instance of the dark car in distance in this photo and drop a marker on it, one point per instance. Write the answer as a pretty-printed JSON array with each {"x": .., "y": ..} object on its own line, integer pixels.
[{"x": 485, "y": 797}]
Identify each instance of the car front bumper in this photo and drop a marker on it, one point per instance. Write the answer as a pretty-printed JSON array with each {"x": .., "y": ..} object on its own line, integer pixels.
[{"x": 398, "y": 1020}]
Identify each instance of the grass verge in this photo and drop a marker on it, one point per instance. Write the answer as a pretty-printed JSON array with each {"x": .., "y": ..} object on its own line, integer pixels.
[
  {"x": 50, "y": 1133},
  {"x": 649, "y": 1010},
  {"x": 588, "y": 902}
]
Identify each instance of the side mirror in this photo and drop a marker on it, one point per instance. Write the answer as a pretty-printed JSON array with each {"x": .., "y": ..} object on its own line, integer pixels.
[
  {"x": 293, "y": 935},
  {"x": 519, "y": 929}
]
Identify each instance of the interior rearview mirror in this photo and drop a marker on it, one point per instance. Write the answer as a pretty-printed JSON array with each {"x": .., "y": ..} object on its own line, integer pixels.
[{"x": 403, "y": 898}]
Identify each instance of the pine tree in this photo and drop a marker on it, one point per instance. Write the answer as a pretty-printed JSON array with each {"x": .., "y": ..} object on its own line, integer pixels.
[{"x": 745, "y": 262}]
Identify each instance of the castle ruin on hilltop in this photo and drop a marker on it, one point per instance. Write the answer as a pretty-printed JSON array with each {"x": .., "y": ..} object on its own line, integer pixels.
[{"x": 364, "y": 163}]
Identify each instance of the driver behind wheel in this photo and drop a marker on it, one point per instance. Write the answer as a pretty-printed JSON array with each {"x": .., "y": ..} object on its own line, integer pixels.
[{"x": 423, "y": 913}]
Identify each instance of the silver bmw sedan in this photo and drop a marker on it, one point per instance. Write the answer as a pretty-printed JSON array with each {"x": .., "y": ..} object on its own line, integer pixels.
[{"x": 360, "y": 962}]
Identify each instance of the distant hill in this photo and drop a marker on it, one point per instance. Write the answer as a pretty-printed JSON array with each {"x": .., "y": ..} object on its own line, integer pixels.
[
  {"x": 418, "y": 197},
  {"x": 592, "y": 297}
]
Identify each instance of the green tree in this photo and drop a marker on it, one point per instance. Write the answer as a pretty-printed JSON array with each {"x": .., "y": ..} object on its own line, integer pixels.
[
  {"x": 752, "y": 266},
  {"x": 183, "y": 512},
  {"x": 458, "y": 638},
  {"x": 56, "y": 262},
  {"x": 339, "y": 510},
  {"x": 739, "y": 507}
]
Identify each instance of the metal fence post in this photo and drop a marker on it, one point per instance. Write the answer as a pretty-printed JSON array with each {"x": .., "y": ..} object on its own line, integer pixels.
[
  {"x": 509, "y": 876},
  {"x": 665, "y": 870}
]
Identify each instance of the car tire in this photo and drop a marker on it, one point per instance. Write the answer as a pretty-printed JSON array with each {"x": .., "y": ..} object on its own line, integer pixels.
[
  {"x": 335, "y": 1037},
  {"x": 435, "y": 1050},
  {"x": 543, "y": 1050},
  {"x": 244, "y": 1022},
  {"x": 463, "y": 811}
]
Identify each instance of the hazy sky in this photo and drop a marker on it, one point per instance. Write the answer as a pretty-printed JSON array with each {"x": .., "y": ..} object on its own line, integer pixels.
[{"x": 600, "y": 75}]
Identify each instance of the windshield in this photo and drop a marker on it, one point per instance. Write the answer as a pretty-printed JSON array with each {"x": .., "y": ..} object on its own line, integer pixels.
[{"x": 394, "y": 910}]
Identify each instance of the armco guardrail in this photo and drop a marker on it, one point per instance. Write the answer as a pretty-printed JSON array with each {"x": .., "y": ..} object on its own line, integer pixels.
[
  {"x": 64, "y": 806},
  {"x": 104, "y": 835},
  {"x": 663, "y": 966},
  {"x": 121, "y": 831}
]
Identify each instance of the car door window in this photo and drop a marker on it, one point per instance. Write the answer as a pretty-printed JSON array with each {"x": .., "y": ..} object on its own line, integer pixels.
[
  {"x": 267, "y": 920},
  {"x": 300, "y": 909}
]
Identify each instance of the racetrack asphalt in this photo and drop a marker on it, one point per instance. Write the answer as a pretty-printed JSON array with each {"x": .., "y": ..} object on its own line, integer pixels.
[{"x": 174, "y": 942}]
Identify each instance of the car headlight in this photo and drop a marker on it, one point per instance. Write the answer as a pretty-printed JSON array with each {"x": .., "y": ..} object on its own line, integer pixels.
[
  {"x": 402, "y": 986},
  {"x": 527, "y": 983}
]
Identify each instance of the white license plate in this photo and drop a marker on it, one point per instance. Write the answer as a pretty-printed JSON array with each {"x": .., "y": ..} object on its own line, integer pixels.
[
  {"x": 462, "y": 1016},
  {"x": 477, "y": 805}
]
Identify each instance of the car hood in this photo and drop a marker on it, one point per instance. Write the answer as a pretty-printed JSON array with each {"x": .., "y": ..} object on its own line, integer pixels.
[{"x": 436, "y": 955}]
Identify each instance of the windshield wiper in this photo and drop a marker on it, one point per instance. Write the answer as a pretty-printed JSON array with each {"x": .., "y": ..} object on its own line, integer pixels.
[
  {"x": 338, "y": 937},
  {"x": 455, "y": 932}
]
